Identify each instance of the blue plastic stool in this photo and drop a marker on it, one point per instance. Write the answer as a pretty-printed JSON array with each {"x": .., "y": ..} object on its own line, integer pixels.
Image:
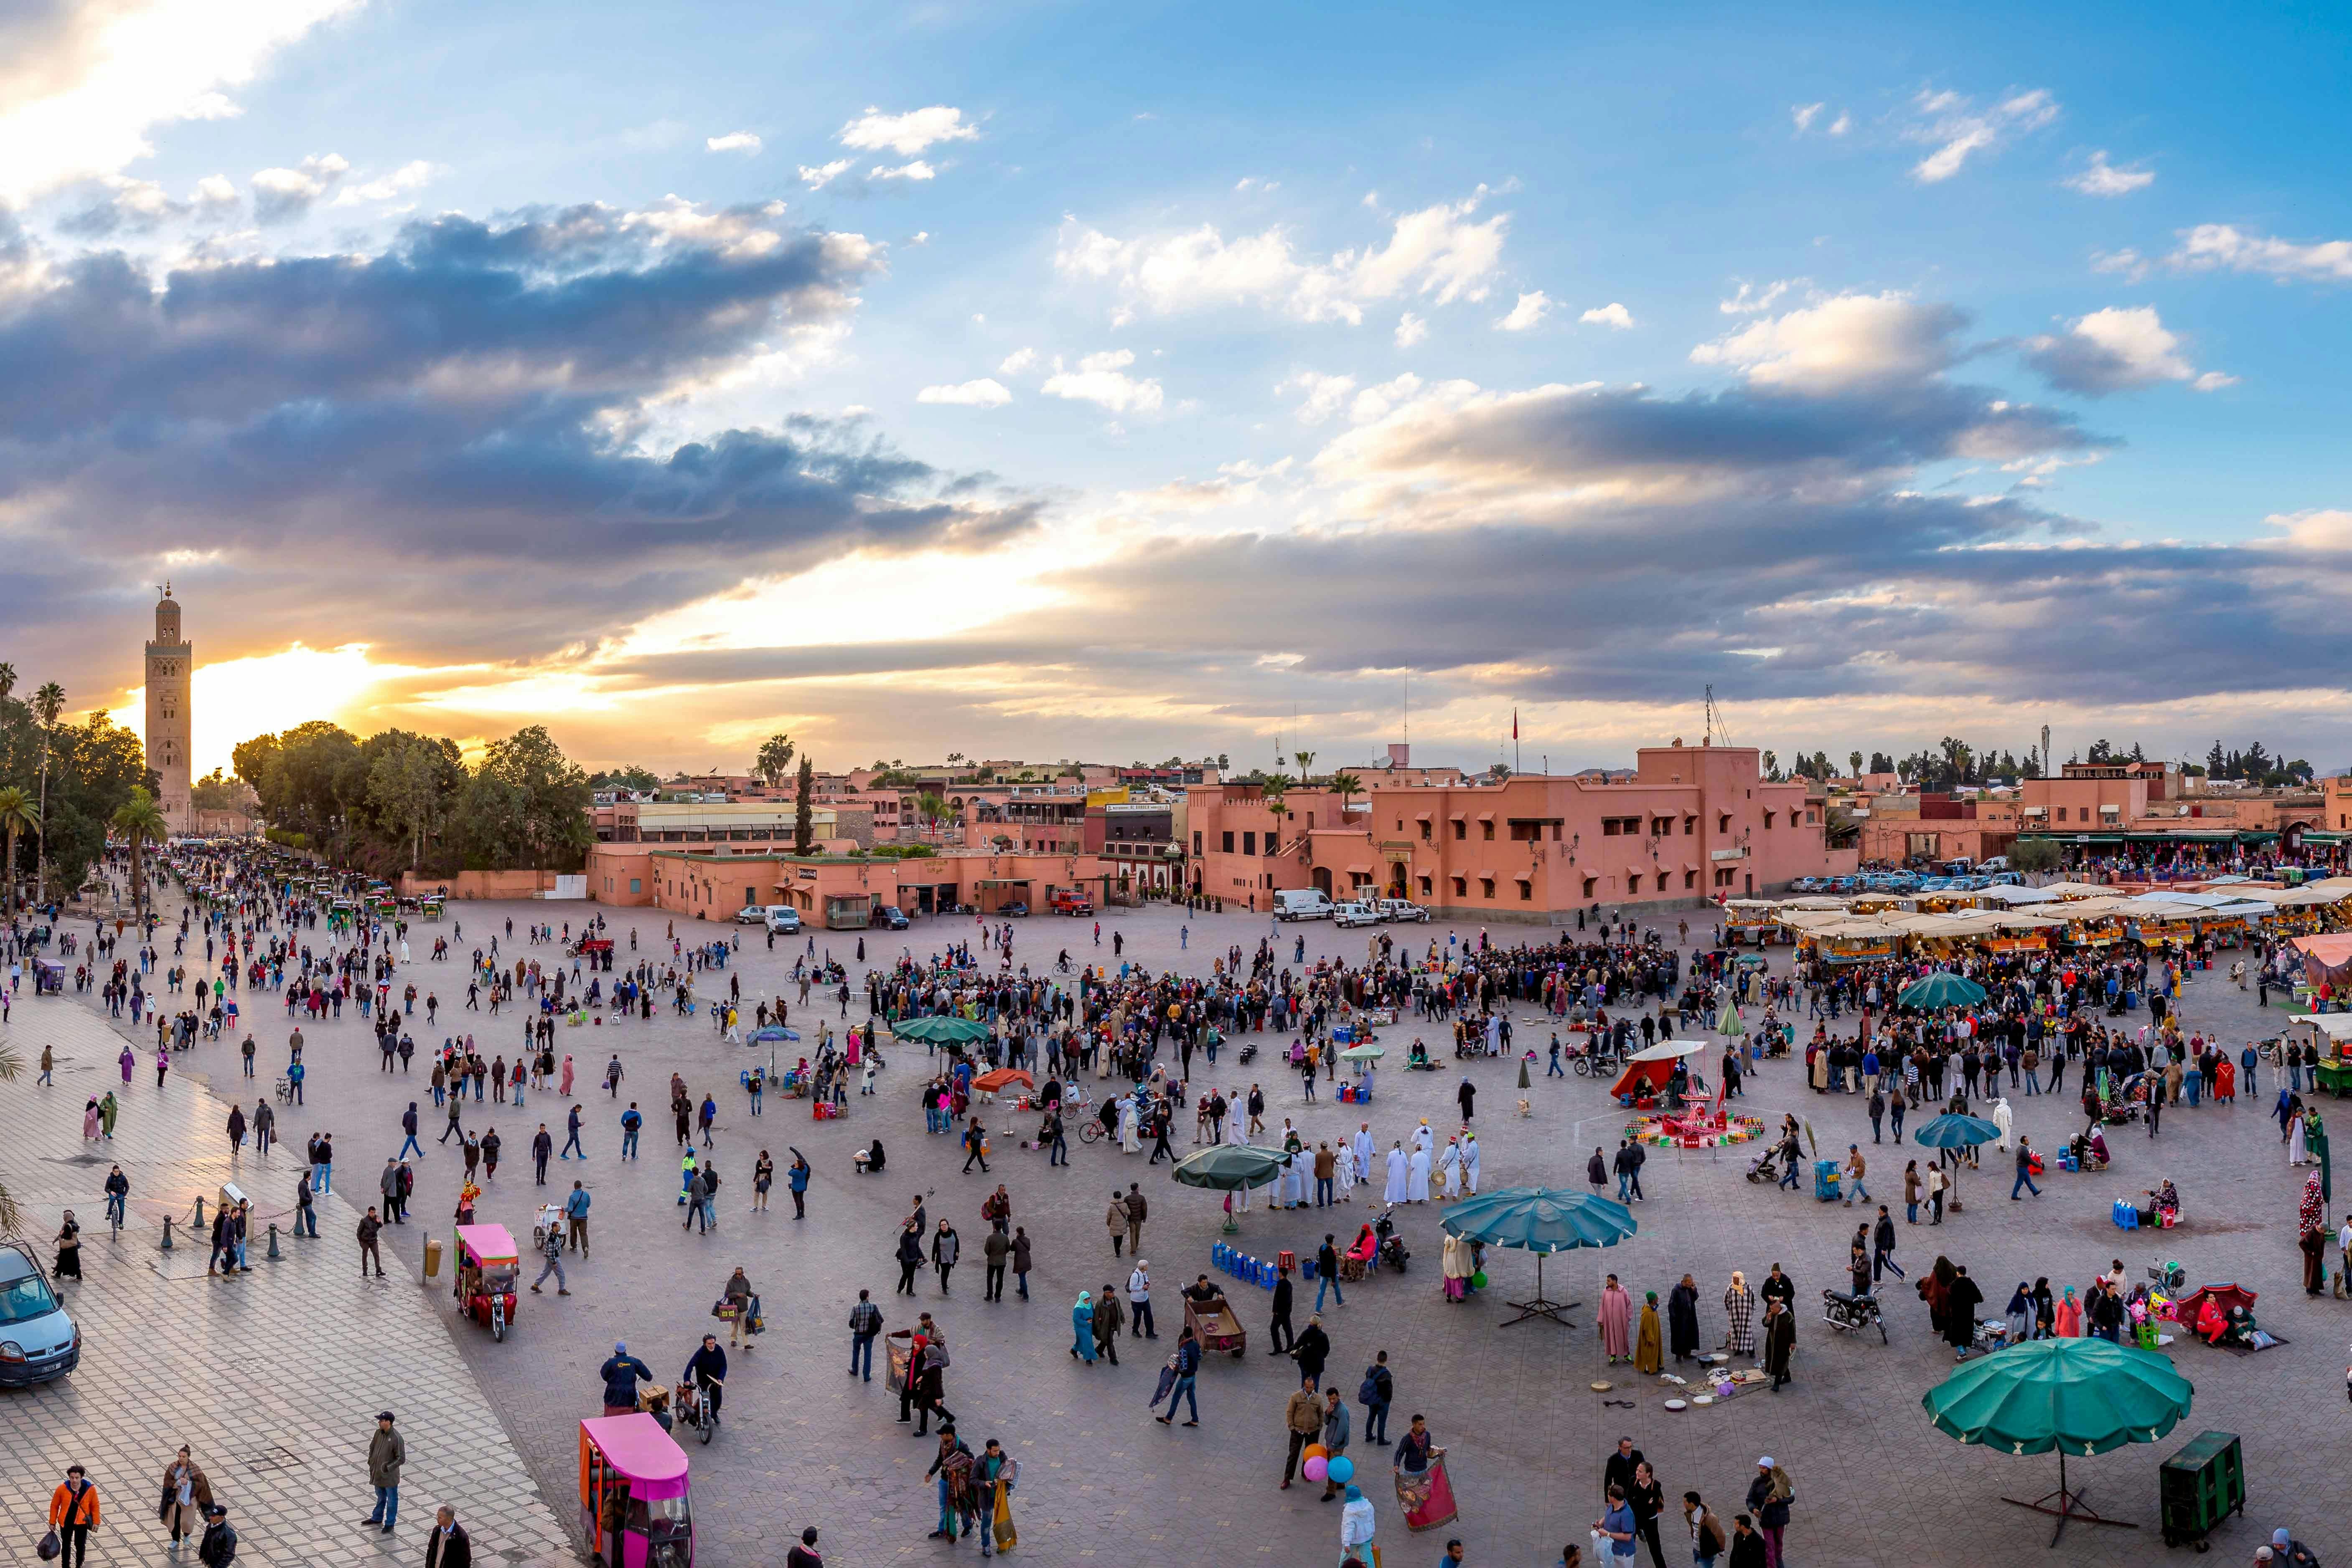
[{"x": 2127, "y": 1215}]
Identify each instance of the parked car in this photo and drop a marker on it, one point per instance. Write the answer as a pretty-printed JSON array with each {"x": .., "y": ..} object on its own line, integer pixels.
[
  {"x": 1356, "y": 914},
  {"x": 37, "y": 1340},
  {"x": 751, "y": 915},
  {"x": 1017, "y": 908},
  {"x": 784, "y": 919},
  {"x": 1302, "y": 904},
  {"x": 890, "y": 917},
  {"x": 1403, "y": 910},
  {"x": 1075, "y": 902}
]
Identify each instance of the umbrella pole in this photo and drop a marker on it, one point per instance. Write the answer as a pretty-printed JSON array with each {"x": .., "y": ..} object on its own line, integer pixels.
[
  {"x": 1541, "y": 1306},
  {"x": 2069, "y": 1507}
]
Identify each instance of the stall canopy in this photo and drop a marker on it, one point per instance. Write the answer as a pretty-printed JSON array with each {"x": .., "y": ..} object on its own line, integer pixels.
[{"x": 2326, "y": 960}]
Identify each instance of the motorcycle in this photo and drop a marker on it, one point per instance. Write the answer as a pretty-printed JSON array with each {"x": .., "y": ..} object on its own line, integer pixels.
[
  {"x": 1843, "y": 1312},
  {"x": 1391, "y": 1249}
]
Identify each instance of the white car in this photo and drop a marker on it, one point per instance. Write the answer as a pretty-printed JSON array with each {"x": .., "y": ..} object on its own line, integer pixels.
[
  {"x": 1356, "y": 914},
  {"x": 1403, "y": 910}
]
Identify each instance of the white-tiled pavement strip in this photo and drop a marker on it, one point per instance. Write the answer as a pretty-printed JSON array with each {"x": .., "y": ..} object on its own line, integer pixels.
[
  {"x": 1876, "y": 1484},
  {"x": 273, "y": 1378}
]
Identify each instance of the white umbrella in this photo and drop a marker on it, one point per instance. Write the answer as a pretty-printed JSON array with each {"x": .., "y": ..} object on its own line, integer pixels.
[{"x": 1667, "y": 1051}]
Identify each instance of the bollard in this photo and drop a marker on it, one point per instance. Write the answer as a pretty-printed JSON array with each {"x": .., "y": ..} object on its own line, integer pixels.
[
  {"x": 167, "y": 1235},
  {"x": 273, "y": 1256},
  {"x": 200, "y": 1212}
]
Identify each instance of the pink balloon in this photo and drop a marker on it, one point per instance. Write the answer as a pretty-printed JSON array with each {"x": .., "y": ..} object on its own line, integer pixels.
[{"x": 1318, "y": 1468}]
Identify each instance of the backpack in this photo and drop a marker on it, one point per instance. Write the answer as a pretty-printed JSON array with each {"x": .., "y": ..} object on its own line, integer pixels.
[{"x": 1377, "y": 1387}]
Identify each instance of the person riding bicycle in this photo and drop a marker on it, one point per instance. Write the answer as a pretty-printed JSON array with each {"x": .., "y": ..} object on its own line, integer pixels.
[{"x": 707, "y": 1369}]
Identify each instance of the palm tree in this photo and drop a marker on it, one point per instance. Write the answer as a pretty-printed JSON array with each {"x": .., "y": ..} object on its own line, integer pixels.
[
  {"x": 18, "y": 813},
  {"x": 1347, "y": 785},
  {"x": 48, "y": 703},
  {"x": 8, "y": 678},
  {"x": 1854, "y": 760},
  {"x": 1305, "y": 760},
  {"x": 139, "y": 821}
]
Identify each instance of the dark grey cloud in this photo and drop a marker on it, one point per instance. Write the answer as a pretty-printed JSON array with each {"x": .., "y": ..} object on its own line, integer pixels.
[{"x": 439, "y": 448}]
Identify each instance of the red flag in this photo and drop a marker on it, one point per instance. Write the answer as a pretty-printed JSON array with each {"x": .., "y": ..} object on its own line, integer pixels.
[{"x": 1515, "y": 723}]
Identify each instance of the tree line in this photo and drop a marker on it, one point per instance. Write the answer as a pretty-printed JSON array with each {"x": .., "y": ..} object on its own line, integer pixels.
[{"x": 61, "y": 786}]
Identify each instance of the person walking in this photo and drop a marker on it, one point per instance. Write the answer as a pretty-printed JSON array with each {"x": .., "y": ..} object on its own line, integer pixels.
[
  {"x": 551, "y": 1247},
  {"x": 409, "y": 1145},
  {"x": 1313, "y": 1349},
  {"x": 186, "y": 1495},
  {"x": 1139, "y": 1302},
  {"x": 1376, "y": 1393},
  {"x": 1115, "y": 1221},
  {"x": 797, "y": 1177},
  {"x": 1708, "y": 1540},
  {"x": 543, "y": 1144},
  {"x": 219, "y": 1547},
  {"x": 975, "y": 1142},
  {"x": 1882, "y": 1248},
  {"x": 1278, "y": 1334},
  {"x": 449, "y": 1547},
  {"x": 996, "y": 1249},
  {"x": 74, "y": 1510},
  {"x": 387, "y": 1451},
  {"x": 945, "y": 1245},
  {"x": 1186, "y": 1364},
  {"x": 1138, "y": 1208},
  {"x": 1109, "y": 1317},
  {"x": 1021, "y": 1260},
  {"x": 1327, "y": 1271},
  {"x": 369, "y": 1228},
  {"x": 1768, "y": 1497},
  {"x": 2024, "y": 1171},
  {"x": 910, "y": 1255},
  {"x": 864, "y": 1322},
  {"x": 571, "y": 1132}
]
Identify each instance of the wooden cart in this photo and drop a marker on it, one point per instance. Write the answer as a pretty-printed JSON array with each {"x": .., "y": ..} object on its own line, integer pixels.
[{"x": 1216, "y": 1325}]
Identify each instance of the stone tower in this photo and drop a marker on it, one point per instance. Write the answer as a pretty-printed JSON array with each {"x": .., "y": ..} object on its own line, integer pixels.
[{"x": 171, "y": 664}]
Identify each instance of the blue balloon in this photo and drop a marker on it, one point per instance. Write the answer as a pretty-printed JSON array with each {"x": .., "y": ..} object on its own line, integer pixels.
[{"x": 1343, "y": 1469}]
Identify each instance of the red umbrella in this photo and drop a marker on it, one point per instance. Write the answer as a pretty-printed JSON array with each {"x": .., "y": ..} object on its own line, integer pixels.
[{"x": 990, "y": 1082}]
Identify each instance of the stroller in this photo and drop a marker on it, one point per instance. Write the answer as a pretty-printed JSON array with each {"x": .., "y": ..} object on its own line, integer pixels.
[{"x": 1765, "y": 1167}]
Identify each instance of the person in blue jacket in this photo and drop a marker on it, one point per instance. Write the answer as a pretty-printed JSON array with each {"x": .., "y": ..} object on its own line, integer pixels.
[{"x": 621, "y": 1373}]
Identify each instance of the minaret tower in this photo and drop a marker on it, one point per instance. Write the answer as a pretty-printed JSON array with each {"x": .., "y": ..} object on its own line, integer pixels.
[{"x": 171, "y": 664}]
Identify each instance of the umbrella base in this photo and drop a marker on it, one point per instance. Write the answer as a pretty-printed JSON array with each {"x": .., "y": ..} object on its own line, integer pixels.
[
  {"x": 1541, "y": 1308},
  {"x": 1230, "y": 1228},
  {"x": 2068, "y": 1507}
]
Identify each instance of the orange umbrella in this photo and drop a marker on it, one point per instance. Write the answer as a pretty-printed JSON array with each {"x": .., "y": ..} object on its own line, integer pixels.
[{"x": 993, "y": 1081}]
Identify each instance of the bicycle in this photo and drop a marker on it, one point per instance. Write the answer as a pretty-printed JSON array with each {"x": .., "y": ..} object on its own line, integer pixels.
[{"x": 1090, "y": 1130}]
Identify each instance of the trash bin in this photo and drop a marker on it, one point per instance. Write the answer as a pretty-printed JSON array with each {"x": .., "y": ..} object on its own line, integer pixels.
[
  {"x": 1826, "y": 1180},
  {"x": 2201, "y": 1486},
  {"x": 433, "y": 1258}
]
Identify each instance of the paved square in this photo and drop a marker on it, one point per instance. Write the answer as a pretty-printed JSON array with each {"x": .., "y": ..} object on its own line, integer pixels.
[{"x": 803, "y": 1442}]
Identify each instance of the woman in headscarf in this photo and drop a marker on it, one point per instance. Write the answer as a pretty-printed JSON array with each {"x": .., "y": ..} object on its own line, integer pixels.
[
  {"x": 1935, "y": 1289},
  {"x": 1739, "y": 1309},
  {"x": 2067, "y": 1317},
  {"x": 1356, "y": 1524},
  {"x": 1682, "y": 1319},
  {"x": 89, "y": 1119},
  {"x": 1647, "y": 1356},
  {"x": 1616, "y": 1321},
  {"x": 2021, "y": 1314},
  {"x": 2312, "y": 1224},
  {"x": 1082, "y": 1327},
  {"x": 2044, "y": 1310},
  {"x": 1453, "y": 1263}
]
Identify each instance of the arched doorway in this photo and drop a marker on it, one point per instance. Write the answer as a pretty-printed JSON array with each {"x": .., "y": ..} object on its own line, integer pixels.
[
  {"x": 1323, "y": 881},
  {"x": 1397, "y": 880}
]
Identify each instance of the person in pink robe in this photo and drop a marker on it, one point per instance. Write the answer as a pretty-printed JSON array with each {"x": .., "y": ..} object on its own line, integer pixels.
[{"x": 1616, "y": 1319}]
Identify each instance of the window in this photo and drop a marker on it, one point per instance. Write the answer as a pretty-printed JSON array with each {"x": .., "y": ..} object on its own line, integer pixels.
[
  {"x": 1768, "y": 817},
  {"x": 1589, "y": 883},
  {"x": 1662, "y": 826},
  {"x": 636, "y": 884},
  {"x": 1609, "y": 827},
  {"x": 2062, "y": 814},
  {"x": 1196, "y": 841},
  {"x": 1723, "y": 822},
  {"x": 1487, "y": 831},
  {"x": 1690, "y": 881},
  {"x": 1425, "y": 835},
  {"x": 1460, "y": 830},
  {"x": 1723, "y": 878},
  {"x": 1460, "y": 888},
  {"x": 1229, "y": 840},
  {"x": 1486, "y": 887},
  {"x": 1249, "y": 842},
  {"x": 1527, "y": 891},
  {"x": 1425, "y": 886}
]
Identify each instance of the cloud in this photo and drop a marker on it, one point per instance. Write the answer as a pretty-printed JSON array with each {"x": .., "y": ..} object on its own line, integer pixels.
[
  {"x": 2218, "y": 245},
  {"x": 1843, "y": 343},
  {"x": 1531, "y": 308},
  {"x": 1410, "y": 330},
  {"x": 82, "y": 84},
  {"x": 918, "y": 170},
  {"x": 908, "y": 133},
  {"x": 2127, "y": 261},
  {"x": 1101, "y": 379},
  {"x": 824, "y": 174},
  {"x": 2116, "y": 350},
  {"x": 437, "y": 418},
  {"x": 1803, "y": 114},
  {"x": 410, "y": 176},
  {"x": 982, "y": 394},
  {"x": 1610, "y": 315},
  {"x": 1957, "y": 128},
  {"x": 733, "y": 141},
  {"x": 1751, "y": 300},
  {"x": 921, "y": 236},
  {"x": 126, "y": 206},
  {"x": 2101, "y": 178},
  {"x": 1325, "y": 394},
  {"x": 282, "y": 195},
  {"x": 1438, "y": 254},
  {"x": 1842, "y": 124}
]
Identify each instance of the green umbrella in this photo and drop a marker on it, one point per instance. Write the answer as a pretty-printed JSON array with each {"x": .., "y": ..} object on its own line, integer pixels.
[
  {"x": 1362, "y": 1053},
  {"x": 1951, "y": 1131},
  {"x": 1941, "y": 989},
  {"x": 943, "y": 1031},
  {"x": 1228, "y": 1167},
  {"x": 1542, "y": 1221},
  {"x": 2078, "y": 1396}
]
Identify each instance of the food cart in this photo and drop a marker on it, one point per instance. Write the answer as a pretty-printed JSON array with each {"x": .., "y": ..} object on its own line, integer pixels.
[
  {"x": 436, "y": 907},
  {"x": 634, "y": 1494},
  {"x": 487, "y": 1269},
  {"x": 48, "y": 977},
  {"x": 2327, "y": 1034},
  {"x": 1216, "y": 1325}
]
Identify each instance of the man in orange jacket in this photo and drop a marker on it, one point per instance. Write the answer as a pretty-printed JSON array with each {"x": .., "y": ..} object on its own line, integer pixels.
[{"x": 73, "y": 1512}]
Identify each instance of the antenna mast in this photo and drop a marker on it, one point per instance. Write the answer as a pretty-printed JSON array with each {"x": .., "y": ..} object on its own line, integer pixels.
[{"x": 1714, "y": 726}]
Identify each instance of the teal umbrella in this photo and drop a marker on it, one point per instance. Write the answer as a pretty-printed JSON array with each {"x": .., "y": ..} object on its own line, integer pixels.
[
  {"x": 1542, "y": 1221},
  {"x": 2078, "y": 1396},
  {"x": 1954, "y": 1132},
  {"x": 942, "y": 1031},
  {"x": 1228, "y": 1168},
  {"x": 1941, "y": 989}
]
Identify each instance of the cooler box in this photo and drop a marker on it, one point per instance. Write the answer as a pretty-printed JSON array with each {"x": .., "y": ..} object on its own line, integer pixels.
[{"x": 2202, "y": 1486}]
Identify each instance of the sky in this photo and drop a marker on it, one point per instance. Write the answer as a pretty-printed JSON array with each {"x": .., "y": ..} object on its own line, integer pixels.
[{"x": 1043, "y": 380}]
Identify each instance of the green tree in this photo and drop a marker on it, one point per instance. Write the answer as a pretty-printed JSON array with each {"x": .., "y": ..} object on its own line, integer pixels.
[
  {"x": 1346, "y": 784},
  {"x": 548, "y": 790},
  {"x": 141, "y": 823},
  {"x": 48, "y": 703},
  {"x": 412, "y": 782},
  {"x": 805, "y": 809},
  {"x": 19, "y": 813},
  {"x": 1305, "y": 760},
  {"x": 2035, "y": 855},
  {"x": 776, "y": 760},
  {"x": 1853, "y": 761}
]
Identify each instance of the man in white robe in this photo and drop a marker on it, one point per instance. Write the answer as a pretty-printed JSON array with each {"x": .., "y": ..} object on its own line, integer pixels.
[
  {"x": 1424, "y": 1140},
  {"x": 1417, "y": 1179},
  {"x": 1236, "y": 1118},
  {"x": 1396, "y": 1192},
  {"x": 1470, "y": 1163},
  {"x": 1450, "y": 1166},
  {"x": 1364, "y": 1152}
]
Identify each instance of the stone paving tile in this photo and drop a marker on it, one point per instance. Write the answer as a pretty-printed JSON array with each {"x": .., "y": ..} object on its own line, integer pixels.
[
  {"x": 273, "y": 1378},
  {"x": 802, "y": 1443}
]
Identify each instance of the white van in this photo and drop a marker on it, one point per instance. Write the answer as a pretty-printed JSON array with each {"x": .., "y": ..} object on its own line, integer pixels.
[
  {"x": 784, "y": 919},
  {"x": 1302, "y": 904},
  {"x": 1365, "y": 913}
]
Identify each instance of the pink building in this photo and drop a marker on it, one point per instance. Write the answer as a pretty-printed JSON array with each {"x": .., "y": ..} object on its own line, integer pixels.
[{"x": 1691, "y": 823}]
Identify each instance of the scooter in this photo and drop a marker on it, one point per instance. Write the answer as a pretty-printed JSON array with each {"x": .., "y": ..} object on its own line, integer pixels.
[
  {"x": 1843, "y": 1312},
  {"x": 1391, "y": 1249}
]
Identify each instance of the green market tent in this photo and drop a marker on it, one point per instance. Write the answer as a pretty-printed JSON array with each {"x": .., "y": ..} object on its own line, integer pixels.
[{"x": 1941, "y": 990}]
